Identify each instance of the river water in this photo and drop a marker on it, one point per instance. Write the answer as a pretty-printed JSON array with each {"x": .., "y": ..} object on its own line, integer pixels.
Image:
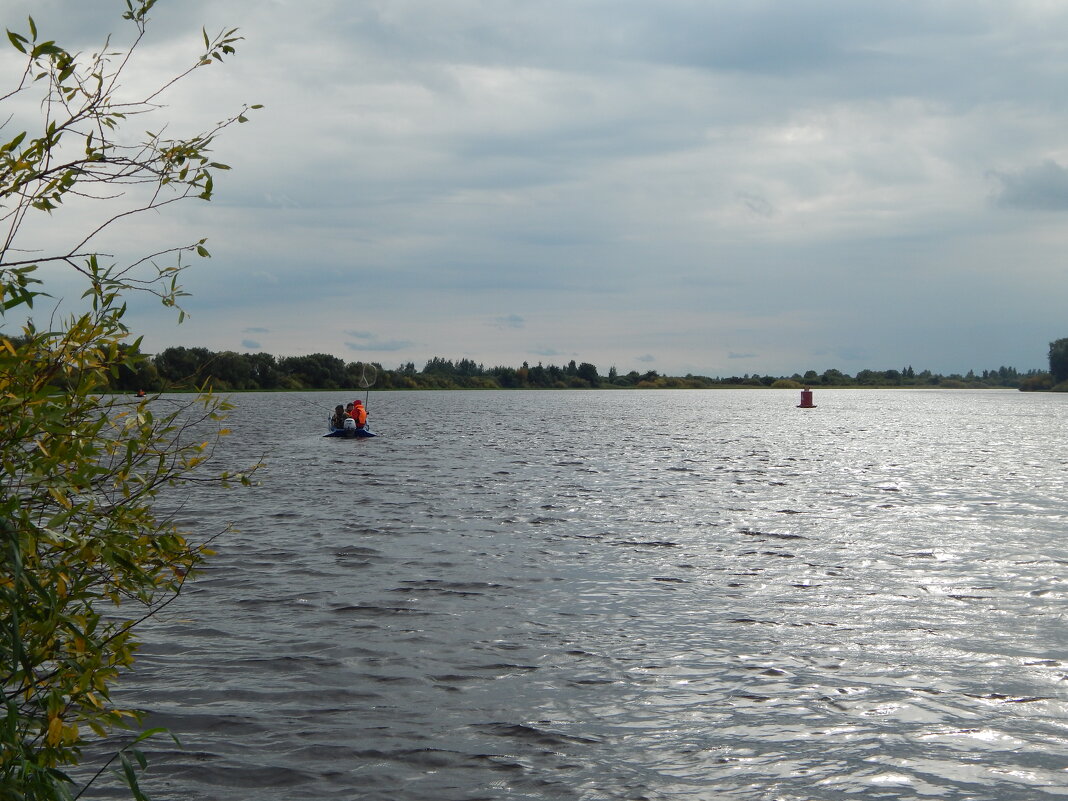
[{"x": 625, "y": 595}]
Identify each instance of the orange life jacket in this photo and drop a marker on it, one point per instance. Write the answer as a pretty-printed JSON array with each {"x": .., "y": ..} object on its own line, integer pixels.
[{"x": 359, "y": 414}]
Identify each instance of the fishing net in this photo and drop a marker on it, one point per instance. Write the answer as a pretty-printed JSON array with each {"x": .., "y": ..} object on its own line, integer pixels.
[{"x": 368, "y": 375}]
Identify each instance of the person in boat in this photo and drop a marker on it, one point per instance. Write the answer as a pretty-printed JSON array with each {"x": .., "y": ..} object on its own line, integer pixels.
[
  {"x": 337, "y": 419},
  {"x": 349, "y": 423},
  {"x": 359, "y": 414}
]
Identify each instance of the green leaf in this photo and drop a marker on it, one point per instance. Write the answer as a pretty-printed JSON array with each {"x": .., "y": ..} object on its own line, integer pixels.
[
  {"x": 131, "y": 778},
  {"x": 18, "y": 41},
  {"x": 46, "y": 49},
  {"x": 13, "y": 143}
]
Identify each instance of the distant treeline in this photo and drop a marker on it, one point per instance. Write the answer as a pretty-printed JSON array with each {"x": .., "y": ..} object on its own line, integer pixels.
[{"x": 184, "y": 368}]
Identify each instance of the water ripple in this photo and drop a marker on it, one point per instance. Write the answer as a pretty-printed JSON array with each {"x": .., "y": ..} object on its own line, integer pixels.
[{"x": 736, "y": 602}]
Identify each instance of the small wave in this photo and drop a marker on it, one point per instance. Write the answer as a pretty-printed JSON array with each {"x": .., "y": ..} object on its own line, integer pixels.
[
  {"x": 749, "y": 532},
  {"x": 647, "y": 543},
  {"x": 501, "y": 667},
  {"x": 373, "y": 610},
  {"x": 528, "y": 733}
]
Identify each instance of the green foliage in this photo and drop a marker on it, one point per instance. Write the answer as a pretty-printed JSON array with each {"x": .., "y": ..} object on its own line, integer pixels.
[
  {"x": 588, "y": 373},
  {"x": 1039, "y": 382},
  {"x": 84, "y": 557},
  {"x": 79, "y": 537},
  {"x": 833, "y": 378},
  {"x": 1058, "y": 360},
  {"x": 179, "y": 367},
  {"x": 317, "y": 370}
]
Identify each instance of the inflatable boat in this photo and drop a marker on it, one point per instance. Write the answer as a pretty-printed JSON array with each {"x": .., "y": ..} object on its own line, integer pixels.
[{"x": 349, "y": 432}]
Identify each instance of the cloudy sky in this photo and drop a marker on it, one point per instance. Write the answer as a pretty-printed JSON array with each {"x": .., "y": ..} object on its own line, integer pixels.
[{"x": 691, "y": 186}]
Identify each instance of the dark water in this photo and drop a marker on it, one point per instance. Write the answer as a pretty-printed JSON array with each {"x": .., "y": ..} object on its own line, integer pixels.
[{"x": 628, "y": 595}]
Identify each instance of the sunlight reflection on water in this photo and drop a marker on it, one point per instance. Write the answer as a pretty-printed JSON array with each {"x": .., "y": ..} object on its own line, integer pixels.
[{"x": 617, "y": 595}]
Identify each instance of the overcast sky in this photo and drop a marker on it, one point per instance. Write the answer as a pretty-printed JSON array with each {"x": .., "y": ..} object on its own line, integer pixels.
[{"x": 689, "y": 186}]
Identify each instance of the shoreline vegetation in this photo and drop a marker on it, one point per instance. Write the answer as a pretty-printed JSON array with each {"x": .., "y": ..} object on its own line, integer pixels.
[{"x": 181, "y": 368}]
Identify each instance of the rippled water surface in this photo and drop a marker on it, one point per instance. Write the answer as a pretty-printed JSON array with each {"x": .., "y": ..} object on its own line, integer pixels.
[{"x": 626, "y": 595}]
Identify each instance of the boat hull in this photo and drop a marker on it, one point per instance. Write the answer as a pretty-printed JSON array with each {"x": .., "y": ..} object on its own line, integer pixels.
[{"x": 350, "y": 433}]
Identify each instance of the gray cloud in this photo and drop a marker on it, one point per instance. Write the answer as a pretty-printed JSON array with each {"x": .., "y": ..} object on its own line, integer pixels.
[
  {"x": 510, "y": 321},
  {"x": 370, "y": 342},
  {"x": 796, "y": 179},
  {"x": 756, "y": 204},
  {"x": 384, "y": 346},
  {"x": 1043, "y": 187},
  {"x": 251, "y": 344}
]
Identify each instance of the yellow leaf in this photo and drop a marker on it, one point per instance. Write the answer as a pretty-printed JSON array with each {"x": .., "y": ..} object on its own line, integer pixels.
[
  {"x": 61, "y": 499},
  {"x": 55, "y": 731}
]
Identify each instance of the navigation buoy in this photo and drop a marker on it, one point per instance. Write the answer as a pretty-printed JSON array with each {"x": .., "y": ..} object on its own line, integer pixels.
[{"x": 806, "y": 400}]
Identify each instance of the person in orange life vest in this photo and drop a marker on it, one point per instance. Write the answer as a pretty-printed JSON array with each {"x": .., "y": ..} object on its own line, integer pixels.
[{"x": 359, "y": 414}]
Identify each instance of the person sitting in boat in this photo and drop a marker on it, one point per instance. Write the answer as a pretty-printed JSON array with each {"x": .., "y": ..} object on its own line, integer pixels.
[
  {"x": 359, "y": 414},
  {"x": 348, "y": 422},
  {"x": 337, "y": 419}
]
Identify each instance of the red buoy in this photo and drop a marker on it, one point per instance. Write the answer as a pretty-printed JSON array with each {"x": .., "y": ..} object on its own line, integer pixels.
[{"x": 806, "y": 400}]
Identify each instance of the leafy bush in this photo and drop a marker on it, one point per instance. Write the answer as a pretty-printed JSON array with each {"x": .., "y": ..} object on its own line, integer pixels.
[
  {"x": 84, "y": 557},
  {"x": 1036, "y": 383}
]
